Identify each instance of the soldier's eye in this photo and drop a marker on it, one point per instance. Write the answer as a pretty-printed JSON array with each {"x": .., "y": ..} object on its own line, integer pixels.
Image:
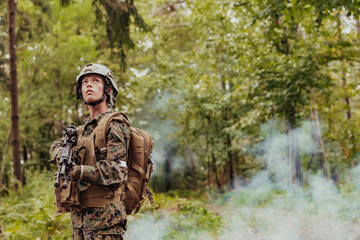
[{"x": 84, "y": 82}]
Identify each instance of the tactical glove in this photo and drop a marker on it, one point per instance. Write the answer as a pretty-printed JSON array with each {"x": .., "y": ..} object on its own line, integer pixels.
[{"x": 74, "y": 174}]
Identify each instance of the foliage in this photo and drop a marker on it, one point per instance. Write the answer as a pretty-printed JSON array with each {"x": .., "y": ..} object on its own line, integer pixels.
[
  {"x": 30, "y": 212},
  {"x": 242, "y": 65},
  {"x": 117, "y": 15}
]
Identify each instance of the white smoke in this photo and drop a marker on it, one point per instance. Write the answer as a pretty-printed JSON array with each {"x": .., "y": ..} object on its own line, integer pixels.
[
  {"x": 161, "y": 225},
  {"x": 320, "y": 212},
  {"x": 146, "y": 227},
  {"x": 162, "y": 133},
  {"x": 270, "y": 207}
]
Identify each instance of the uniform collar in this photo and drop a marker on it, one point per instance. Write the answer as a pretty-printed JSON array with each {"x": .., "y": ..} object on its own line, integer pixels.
[{"x": 96, "y": 119}]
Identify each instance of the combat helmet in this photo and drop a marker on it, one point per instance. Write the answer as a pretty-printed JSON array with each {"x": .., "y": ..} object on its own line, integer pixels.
[{"x": 109, "y": 77}]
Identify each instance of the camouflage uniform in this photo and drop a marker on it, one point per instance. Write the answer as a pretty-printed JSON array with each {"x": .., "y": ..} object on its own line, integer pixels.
[{"x": 109, "y": 172}]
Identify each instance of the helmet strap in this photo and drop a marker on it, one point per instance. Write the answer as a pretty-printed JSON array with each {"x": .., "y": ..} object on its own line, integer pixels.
[{"x": 96, "y": 102}]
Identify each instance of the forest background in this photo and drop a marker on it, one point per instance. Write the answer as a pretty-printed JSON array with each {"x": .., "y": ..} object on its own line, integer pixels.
[{"x": 253, "y": 107}]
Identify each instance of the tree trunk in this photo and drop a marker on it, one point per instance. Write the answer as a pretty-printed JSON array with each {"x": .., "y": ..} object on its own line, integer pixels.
[
  {"x": 208, "y": 164},
  {"x": 192, "y": 166},
  {"x": 231, "y": 163},
  {"x": 349, "y": 129},
  {"x": 167, "y": 168},
  {"x": 3, "y": 161},
  {"x": 289, "y": 153},
  {"x": 25, "y": 153},
  {"x": 294, "y": 152},
  {"x": 298, "y": 171},
  {"x": 218, "y": 183},
  {"x": 316, "y": 135},
  {"x": 290, "y": 110},
  {"x": 15, "y": 132},
  {"x": 350, "y": 132},
  {"x": 307, "y": 168},
  {"x": 209, "y": 172},
  {"x": 167, "y": 174},
  {"x": 346, "y": 97},
  {"x": 294, "y": 157},
  {"x": 226, "y": 115}
]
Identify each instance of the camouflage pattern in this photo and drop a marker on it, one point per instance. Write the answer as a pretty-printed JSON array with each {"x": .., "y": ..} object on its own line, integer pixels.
[
  {"x": 115, "y": 234},
  {"x": 109, "y": 172},
  {"x": 55, "y": 151}
]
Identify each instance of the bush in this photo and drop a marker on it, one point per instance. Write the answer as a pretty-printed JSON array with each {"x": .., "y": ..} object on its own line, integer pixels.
[{"x": 31, "y": 214}]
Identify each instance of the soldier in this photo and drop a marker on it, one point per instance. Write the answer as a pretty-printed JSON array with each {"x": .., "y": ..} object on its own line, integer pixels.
[{"x": 94, "y": 193}]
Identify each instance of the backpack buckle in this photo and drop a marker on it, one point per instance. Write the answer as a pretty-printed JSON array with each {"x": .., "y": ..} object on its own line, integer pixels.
[{"x": 110, "y": 195}]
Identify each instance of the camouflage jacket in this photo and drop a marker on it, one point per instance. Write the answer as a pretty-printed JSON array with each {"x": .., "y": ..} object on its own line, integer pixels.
[{"x": 109, "y": 172}]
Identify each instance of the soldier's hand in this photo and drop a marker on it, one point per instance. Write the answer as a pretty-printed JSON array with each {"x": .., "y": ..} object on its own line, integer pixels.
[{"x": 75, "y": 172}]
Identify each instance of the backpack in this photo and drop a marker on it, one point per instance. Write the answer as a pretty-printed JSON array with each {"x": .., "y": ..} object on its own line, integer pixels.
[
  {"x": 139, "y": 163},
  {"x": 140, "y": 167}
]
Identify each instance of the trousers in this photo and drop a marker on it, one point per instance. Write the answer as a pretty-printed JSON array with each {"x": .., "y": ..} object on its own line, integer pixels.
[{"x": 82, "y": 234}]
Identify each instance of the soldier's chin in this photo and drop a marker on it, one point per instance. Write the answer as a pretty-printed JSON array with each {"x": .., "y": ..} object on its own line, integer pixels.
[{"x": 91, "y": 99}]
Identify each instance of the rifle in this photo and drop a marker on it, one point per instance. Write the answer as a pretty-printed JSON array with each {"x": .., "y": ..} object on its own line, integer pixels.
[{"x": 66, "y": 163}]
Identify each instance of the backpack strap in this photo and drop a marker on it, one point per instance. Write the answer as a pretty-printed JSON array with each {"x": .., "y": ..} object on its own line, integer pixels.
[
  {"x": 103, "y": 125},
  {"x": 139, "y": 169},
  {"x": 150, "y": 195}
]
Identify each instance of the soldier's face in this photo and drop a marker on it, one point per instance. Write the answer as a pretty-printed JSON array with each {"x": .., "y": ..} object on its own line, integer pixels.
[{"x": 92, "y": 87}]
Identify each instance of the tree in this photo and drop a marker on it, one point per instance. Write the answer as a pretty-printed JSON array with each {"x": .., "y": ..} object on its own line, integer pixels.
[
  {"x": 15, "y": 135},
  {"x": 116, "y": 15}
]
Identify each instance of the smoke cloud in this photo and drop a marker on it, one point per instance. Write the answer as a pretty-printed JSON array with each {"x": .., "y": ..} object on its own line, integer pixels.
[{"x": 270, "y": 207}]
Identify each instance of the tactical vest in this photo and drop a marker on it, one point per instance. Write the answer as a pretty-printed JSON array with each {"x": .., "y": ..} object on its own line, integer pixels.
[
  {"x": 80, "y": 194},
  {"x": 94, "y": 145}
]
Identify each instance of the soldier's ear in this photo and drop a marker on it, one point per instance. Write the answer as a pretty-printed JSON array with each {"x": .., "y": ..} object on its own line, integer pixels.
[{"x": 109, "y": 89}]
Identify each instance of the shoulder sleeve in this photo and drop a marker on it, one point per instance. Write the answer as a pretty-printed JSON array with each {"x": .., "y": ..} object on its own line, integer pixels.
[{"x": 118, "y": 139}]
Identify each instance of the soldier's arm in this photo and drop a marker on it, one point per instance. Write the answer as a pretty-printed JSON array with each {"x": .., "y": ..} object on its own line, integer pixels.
[
  {"x": 55, "y": 150},
  {"x": 113, "y": 169}
]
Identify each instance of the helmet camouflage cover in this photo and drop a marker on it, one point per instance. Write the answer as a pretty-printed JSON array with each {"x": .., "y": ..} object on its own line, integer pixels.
[{"x": 93, "y": 68}]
